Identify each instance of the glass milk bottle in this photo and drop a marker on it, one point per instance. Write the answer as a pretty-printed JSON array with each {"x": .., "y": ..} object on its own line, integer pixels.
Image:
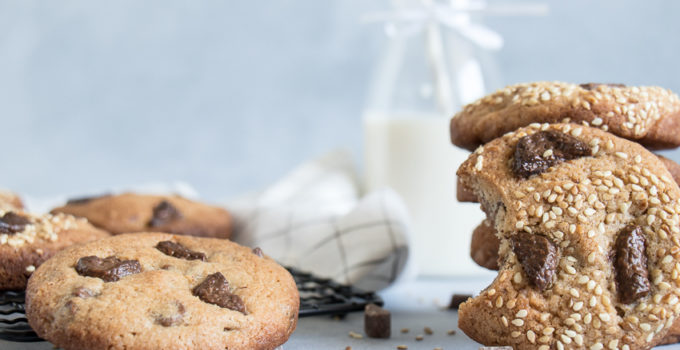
[{"x": 429, "y": 70}]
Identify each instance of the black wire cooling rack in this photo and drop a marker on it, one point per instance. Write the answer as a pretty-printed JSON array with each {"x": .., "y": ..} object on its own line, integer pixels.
[{"x": 318, "y": 296}]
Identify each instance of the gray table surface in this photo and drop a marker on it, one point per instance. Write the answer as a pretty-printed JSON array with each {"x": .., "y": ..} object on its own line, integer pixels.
[{"x": 414, "y": 305}]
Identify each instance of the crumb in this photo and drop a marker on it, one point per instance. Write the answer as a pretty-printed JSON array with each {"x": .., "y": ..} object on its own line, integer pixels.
[
  {"x": 355, "y": 335},
  {"x": 428, "y": 331}
]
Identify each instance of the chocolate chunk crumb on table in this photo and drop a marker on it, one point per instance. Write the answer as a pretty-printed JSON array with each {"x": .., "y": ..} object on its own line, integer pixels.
[{"x": 377, "y": 322}]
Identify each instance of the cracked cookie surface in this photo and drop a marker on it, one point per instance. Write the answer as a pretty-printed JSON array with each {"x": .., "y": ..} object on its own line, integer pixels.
[
  {"x": 577, "y": 209},
  {"x": 162, "y": 291}
]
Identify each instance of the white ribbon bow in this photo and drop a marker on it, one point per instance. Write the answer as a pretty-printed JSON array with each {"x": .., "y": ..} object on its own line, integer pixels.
[
  {"x": 455, "y": 17},
  {"x": 430, "y": 15}
]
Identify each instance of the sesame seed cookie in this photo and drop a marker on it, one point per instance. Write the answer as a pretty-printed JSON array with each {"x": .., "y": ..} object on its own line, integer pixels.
[
  {"x": 10, "y": 201},
  {"x": 484, "y": 244},
  {"x": 148, "y": 291},
  {"x": 130, "y": 212},
  {"x": 590, "y": 241},
  {"x": 27, "y": 240},
  {"x": 648, "y": 115}
]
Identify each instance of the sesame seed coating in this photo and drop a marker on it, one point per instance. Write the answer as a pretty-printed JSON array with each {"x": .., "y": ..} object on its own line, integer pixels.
[
  {"x": 582, "y": 308},
  {"x": 649, "y": 114}
]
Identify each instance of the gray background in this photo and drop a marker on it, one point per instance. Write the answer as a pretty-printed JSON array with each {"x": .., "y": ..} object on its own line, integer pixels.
[{"x": 231, "y": 95}]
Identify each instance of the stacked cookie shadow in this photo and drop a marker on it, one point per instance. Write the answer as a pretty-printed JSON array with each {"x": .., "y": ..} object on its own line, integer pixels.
[
  {"x": 569, "y": 187},
  {"x": 163, "y": 265}
]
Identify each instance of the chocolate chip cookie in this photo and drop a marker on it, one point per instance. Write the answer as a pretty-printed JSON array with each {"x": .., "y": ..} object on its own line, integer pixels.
[
  {"x": 148, "y": 291},
  {"x": 131, "y": 212},
  {"x": 27, "y": 240},
  {"x": 589, "y": 241},
  {"x": 648, "y": 115},
  {"x": 484, "y": 246}
]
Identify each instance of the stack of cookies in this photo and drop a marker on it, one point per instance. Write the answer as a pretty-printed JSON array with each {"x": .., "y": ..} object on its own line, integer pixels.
[
  {"x": 124, "y": 272},
  {"x": 583, "y": 221}
]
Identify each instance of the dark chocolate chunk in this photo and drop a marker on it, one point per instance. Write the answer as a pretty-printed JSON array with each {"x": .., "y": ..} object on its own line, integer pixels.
[
  {"x": 82, "y": 292},
  {"x": 110, "y": 269},
  {"x": 534, "y": 154},
  {"x": 592, "y": 86},
  {"x": 631, "y": 264},
  {"x": 257, "y": 251},
  {"x": 84, "y": 200},
  {"x": 458, "y": 299},
  {"x": 377, "y": 322},
  {"x": 175, "y": 318},
  {"x": 13, "y": 223},
  {"x": 215, "y": 290},
  {"x": 179, "y": 251},
  {"x": 538, "y": 257},
  {"x": 164, "y": 213}
]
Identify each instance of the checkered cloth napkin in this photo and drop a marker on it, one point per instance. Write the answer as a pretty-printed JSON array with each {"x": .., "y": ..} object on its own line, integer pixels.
[{"x": 316, "y": 220}]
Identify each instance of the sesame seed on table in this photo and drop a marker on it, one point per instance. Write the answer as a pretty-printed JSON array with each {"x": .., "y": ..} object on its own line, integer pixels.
[{"x": 414, "y": 306}]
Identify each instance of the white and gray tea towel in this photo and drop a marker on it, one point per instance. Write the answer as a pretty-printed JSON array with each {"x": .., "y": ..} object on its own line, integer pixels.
[{"x": 316, "y": 220}]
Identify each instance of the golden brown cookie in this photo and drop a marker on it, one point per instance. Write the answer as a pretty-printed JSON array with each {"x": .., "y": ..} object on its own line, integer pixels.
[
  {"x": 27, "y": 240},
  {"x": 10, "y": 201},
  {"x": 648, "y": 115},
  {"x": 149, "y": 291},
  {"x": 589, "y": 225},
  {"x": 131, "y": 212},
  {"x": 672, "y": 166},
  {"x": 484, "y": 246},
  {"x": 464, "y": 194}
]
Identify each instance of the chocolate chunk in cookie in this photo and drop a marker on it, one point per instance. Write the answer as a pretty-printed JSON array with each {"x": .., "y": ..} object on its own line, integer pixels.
[
  {"x": 163, "y": 214},
  {"x": 538, "y": 257},
  {"x": 215, "y": 290},
  {"x": 109, "y": 269},
  {"x": 179, "y": 251},
  {"x": 172, "y": 317},
  {"x": 535, "y": 153},
  {"x": 631, "y": 265},
  {"x": 593, "y": 86},
  {"x": 13, "y": 223},
  {"x": 258, "y": 251},
  {"x": 458, "y": 299},
  {"x": 84, "y": 200}
]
